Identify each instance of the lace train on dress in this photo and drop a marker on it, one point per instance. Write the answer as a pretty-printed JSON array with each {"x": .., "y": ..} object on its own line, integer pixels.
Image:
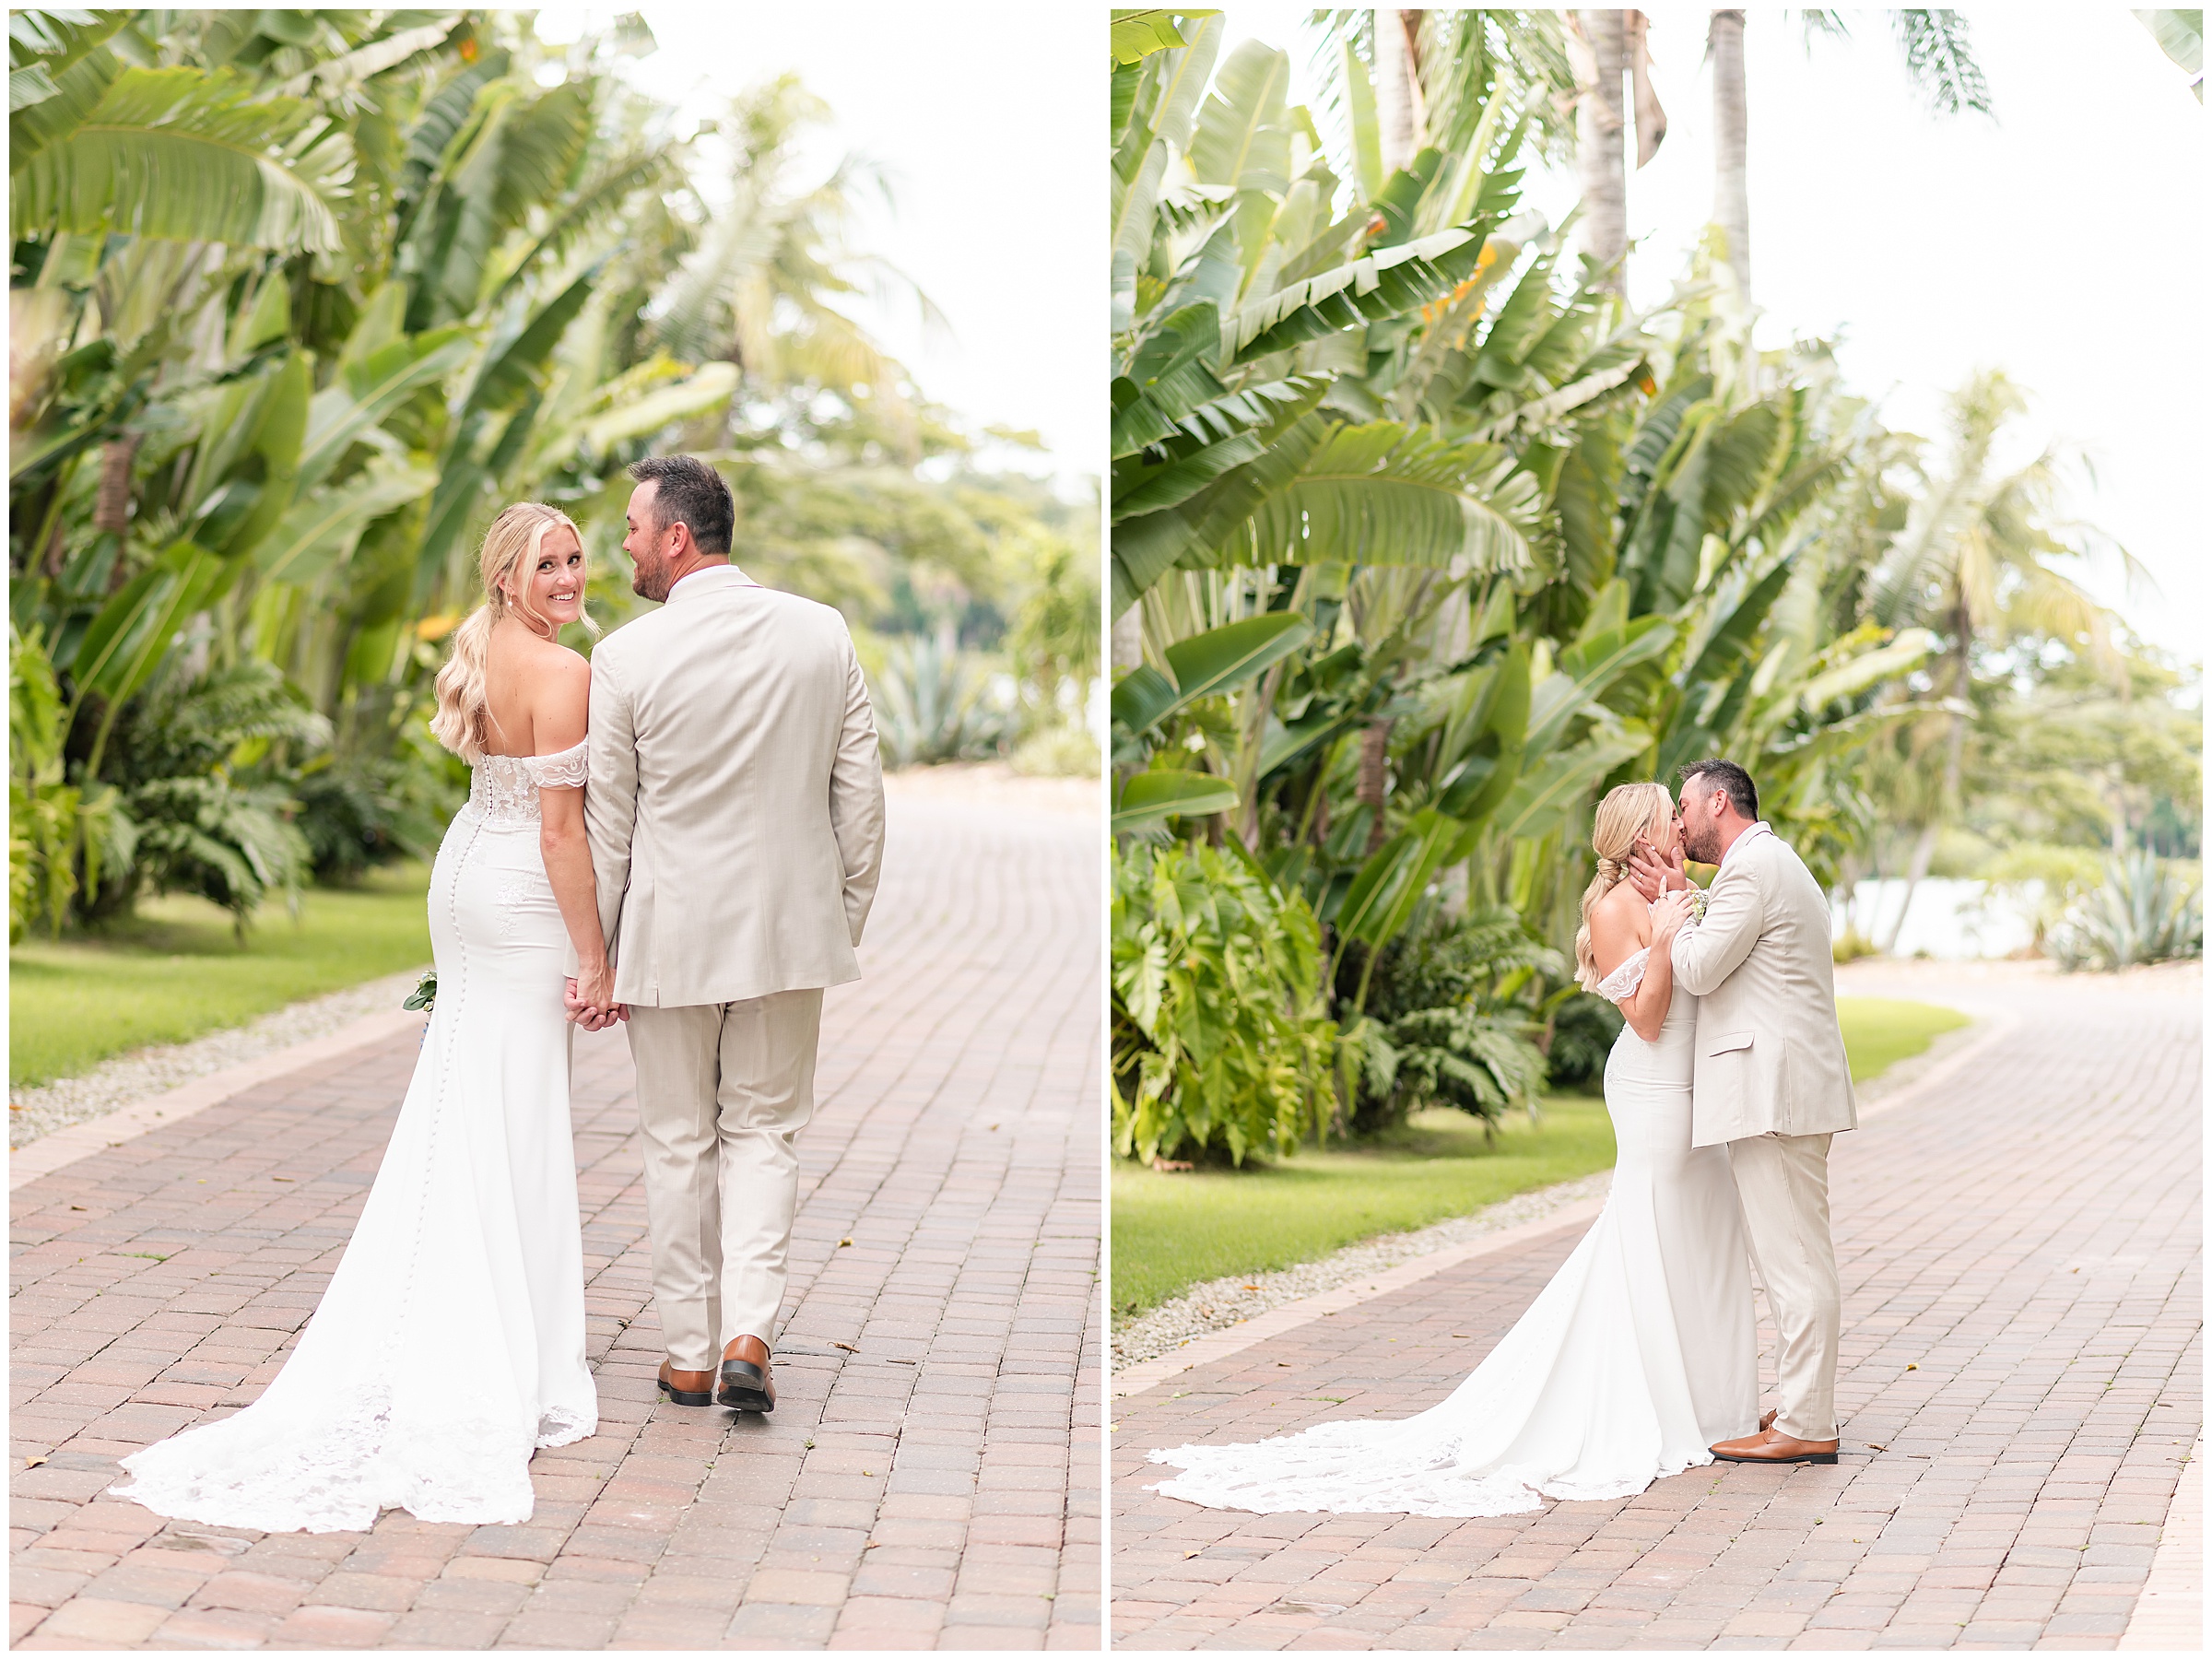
[
  {"x": 1628, "y": 1366},
  {"x": 450, "y": 1343}
]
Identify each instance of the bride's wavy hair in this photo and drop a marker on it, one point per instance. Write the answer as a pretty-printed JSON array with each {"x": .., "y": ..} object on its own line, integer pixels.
[
  {"x": 509, "y": 546},
  {"x": 1626, "y": 813}
]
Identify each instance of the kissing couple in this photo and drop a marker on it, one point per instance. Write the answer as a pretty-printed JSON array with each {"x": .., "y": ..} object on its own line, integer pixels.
[
  {"x": 1640, "y": 1359},
  {"x": 683, "y": 833}
]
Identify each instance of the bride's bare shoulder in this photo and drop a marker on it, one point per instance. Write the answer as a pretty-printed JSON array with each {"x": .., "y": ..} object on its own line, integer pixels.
[
  {"x": 1622, "y": 900},
  {"x": 1622, "y": 915}
]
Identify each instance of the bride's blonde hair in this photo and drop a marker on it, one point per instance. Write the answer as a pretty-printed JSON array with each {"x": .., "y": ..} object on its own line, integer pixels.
[
  {"x": 511, "y": 545},
  {"x": 1626, "y": 813}
]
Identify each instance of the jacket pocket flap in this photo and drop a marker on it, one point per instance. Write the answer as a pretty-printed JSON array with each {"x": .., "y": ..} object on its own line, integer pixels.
[{"x": 1735, "y": 1040}]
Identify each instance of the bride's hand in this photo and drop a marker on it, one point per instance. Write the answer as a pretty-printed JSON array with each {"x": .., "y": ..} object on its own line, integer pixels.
[
  {"x": 1669, "y": 914},
  {"x": 1653, "y": 872}
]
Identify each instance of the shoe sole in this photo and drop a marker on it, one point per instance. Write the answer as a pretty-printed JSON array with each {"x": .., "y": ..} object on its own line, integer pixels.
[
  {"x": 1797, "y": 1458},
  {"x": 744, "y": 1389},
  {"x": 685, "y": 1397}
]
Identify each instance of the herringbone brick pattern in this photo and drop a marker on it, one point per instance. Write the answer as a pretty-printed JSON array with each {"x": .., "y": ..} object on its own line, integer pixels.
[
  {"x": 2021, "y": 1379},
  {"x": 930, "y": 1476}
]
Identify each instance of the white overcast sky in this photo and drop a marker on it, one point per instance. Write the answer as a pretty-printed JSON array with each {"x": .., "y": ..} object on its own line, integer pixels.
[
  {"x": 985, "y": 119},
  {"x": 2063, "y": 243}
]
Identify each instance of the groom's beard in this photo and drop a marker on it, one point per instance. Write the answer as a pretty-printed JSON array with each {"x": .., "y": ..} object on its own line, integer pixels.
[
  {"x": 650, "y": 585},
  {"x": 1703, "y": 844}
]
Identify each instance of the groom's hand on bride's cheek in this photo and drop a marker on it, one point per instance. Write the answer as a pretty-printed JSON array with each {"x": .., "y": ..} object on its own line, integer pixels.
[{"x": 1647, "y": 871}]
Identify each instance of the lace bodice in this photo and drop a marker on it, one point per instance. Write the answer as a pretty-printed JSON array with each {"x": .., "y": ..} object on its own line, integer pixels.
[{"x": 504, "y": 787}]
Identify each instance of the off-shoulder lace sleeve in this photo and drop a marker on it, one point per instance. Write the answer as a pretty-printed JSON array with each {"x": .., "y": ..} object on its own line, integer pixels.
[
  {"x": 1621, "y": 984},
  {"x": 563, "y": 771}
]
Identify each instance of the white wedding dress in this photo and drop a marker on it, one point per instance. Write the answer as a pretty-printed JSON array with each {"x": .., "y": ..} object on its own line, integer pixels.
[
  {"x": 1637, "y": 1357},
  {"x": 450, "y": 1343}
]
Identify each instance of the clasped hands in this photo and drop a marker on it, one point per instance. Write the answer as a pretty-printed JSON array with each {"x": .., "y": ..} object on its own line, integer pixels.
[{"x": 589, "y": 998}]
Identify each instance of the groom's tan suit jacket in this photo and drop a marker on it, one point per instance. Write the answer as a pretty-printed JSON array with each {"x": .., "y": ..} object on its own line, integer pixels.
[
  {"x": 1769, "y": 1053},
  {"x": 735, "y": 803}
]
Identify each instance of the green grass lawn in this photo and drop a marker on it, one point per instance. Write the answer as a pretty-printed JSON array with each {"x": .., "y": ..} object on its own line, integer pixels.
[
  {"x": 175, "y": 972},
  {"x": 1880, "y": 1031},
  {"x": 1172, "y": 1231}
]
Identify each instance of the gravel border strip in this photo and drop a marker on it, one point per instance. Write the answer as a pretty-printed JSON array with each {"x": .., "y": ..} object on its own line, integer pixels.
[
  {"x": 142, "y": 1073},
  {"x": 1217, "y": 1304}
]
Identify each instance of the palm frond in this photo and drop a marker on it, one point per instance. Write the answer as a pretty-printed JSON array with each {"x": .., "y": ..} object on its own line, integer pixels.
[
  {"x": 192, "y": 157},
  {"x": 1939, "y": 59}
]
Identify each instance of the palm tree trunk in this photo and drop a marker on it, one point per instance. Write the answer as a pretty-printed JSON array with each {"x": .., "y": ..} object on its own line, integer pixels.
[
  {"x": 1923, "y": 851},
  {"x": 1127, "y": 639},
  {"x": 1731, "y": 200},
  {"x": 111, "y": 507},
  {"x": 1603, "y": 167},
  {"x": 1374, "y": 759},
  {"x": 1954, "y": 756},
  {"x": 1397, "y": 87}
]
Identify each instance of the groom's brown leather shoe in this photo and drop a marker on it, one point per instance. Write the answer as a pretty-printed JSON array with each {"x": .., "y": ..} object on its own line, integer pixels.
[
  {"x": 687, "y": 1388},
  {"x": 1765, "y": 1418},
  {"x": 1771, "y": 1446},
  {"x": 745, "y": 1383}
]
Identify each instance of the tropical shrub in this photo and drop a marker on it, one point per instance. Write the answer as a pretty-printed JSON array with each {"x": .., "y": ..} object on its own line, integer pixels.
[
  {"x": 365, "y": 810},
  {"x": 1065, "y": 751},
  {"x": 1584, "y": 1029},
  {"x": 2146, "y": 911},
  {"x": 1439, "y": 1025},
  {"x": 299, "y": 299},
  {"x": 43, "y": 810},
  {"x": 201, "y": 764},
  {"x": 1427, "y": 539},
  {"x": 1219, "y": 1040},
  {"x": 937, "y": 703}
]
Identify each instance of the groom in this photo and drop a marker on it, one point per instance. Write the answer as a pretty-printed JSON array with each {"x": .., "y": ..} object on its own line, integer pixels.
[
  {"x": 1772, "y": 1082},
  {"x": 735, "y": 817}
]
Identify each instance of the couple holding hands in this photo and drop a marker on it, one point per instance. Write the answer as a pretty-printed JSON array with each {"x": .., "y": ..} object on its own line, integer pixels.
[{"x": 685, "y": 832}]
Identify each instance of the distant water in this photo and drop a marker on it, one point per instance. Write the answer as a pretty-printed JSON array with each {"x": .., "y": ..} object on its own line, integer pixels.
[{"x": 1949, "y": 918}]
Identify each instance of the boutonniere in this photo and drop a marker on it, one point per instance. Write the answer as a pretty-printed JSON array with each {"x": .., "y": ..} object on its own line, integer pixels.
[
  {"x": 1699, "y": 898},
  {"x": 425, "y": 992}
]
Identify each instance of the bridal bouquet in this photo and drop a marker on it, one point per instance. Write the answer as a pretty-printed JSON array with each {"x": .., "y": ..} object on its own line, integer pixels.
[{"x": 425, "y": 992}]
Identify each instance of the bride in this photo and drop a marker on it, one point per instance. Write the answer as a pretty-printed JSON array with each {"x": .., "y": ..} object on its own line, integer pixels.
[
  {"x": 450, "y": 1343},
  {"x": 1640, "y": 1353}
]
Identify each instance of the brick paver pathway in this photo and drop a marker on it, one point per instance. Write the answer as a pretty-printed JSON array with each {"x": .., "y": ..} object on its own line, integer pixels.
[
  {"x": 2021, "y": 1379},
  {"x": 930, "y": 1476}
]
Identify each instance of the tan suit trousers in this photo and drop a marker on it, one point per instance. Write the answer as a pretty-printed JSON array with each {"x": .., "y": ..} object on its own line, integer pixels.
[
  {"x": 1782, "y": 1185},
  {"x": 723, "y": 1089}
]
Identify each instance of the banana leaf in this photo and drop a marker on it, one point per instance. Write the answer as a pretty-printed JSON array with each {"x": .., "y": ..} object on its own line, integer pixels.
[{"x": 1169, "y": 793}]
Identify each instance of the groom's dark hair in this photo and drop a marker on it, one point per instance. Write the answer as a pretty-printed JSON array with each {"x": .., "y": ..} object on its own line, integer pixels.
[
  {"x": 690, "y": 493},
  {"x": 1743, "y": 795}
]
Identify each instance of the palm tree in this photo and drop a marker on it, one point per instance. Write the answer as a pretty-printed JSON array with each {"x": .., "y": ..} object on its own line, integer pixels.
[
  {"x": 1604, "y": 176},
  {"x": 1938, "y": 61},
  {"x": 1604, "y": 47},
  {"x": 299, "y": 298},
  {"x": 1974, "y": 565}
]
